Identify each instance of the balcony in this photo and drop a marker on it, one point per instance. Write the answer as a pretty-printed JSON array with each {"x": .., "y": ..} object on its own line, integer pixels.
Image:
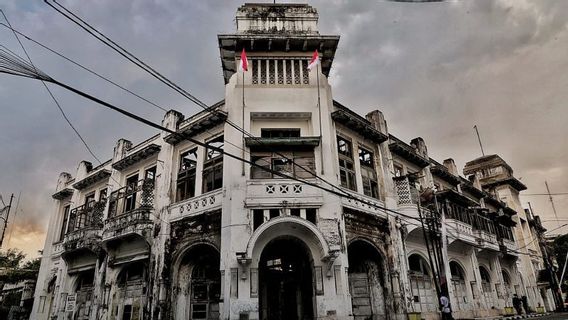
[
  {"x": 459, "y": 230},
  {"x": 508, "y": 246},
  {"x": 130, "y": 210},
  {"x": 271, "y": 192},
  {"x": 83, "y": 230},
  {"x": 487, "y": 240},
  {"x": 206, "y": 202}
]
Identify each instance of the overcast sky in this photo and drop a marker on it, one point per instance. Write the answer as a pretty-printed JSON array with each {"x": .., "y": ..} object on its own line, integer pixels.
[{"x": 434, "y": 69}]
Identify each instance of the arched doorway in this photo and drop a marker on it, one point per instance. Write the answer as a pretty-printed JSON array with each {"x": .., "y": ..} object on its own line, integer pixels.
[
  {"x": 423, "y": 290},
  {"x": 198, "y": 287},
  {"x": 131, "y": 292},
  {"x": 508, "y": 288},
  {"x": 366, "y": 281},
  {"x": 84, "y": 287},
  {"x": 285, "y": 278},
  {"x": 50, "y": 295},
  {"x": 486, "y": 286},
  {"x": 458, "y": 285}
]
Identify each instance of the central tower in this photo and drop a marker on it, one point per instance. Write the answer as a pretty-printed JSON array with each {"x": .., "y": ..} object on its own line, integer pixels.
[{"x": 279, "y": 237}]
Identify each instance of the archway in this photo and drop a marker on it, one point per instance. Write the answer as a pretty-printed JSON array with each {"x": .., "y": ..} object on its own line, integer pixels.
[
  {"x": 366, "y": 281},
  {"x": 285, "y": 278},
  {"x": 84, "y": 287},
  {"x": 131, "y": 292},
  {"x": 458, "y": 285},
  {"x": 508, "y": 289},
  {"x": 198, "y": 284},
  {"x": 486, "y": 286},
  {"x": 50, "y": 295},
  {"x": 421, "y": 283}
]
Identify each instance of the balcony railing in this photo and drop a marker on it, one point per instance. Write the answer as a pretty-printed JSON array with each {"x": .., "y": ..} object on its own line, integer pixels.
[
  {"x": 83, "y": 230},
  {"x": 87, "y": 216},
  {"x": 139, "y": 195},
  {"x": 406, "y": 191},
  {"x": 130, "y": 208}
]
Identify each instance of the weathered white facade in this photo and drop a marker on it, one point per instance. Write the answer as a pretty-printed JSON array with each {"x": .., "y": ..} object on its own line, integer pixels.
[{"x": 167, "y": 229}]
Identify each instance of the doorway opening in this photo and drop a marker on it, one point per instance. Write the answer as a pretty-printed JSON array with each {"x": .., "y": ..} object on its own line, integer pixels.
[
  {"x": 285, "y": 277},
  {"x": 366, "y": 281}
]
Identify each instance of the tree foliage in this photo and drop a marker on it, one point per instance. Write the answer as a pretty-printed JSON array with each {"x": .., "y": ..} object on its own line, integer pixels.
[
  {"x": 13, "y": 268},
  {"x": 560, "y": 249}
]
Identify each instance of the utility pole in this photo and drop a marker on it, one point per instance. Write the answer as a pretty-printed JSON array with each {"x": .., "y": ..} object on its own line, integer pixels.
[
  {"x": 6, "y": 220},
  {"x": 554, "y": 283},
  {"x": 551, "y": 201}
]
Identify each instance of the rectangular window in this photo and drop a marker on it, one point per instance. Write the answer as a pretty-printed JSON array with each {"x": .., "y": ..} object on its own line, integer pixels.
[
  {"x": 64, "y": 224},
  {"x": 346, "y": 167},
  {"x": 150, "y": 174},
  {"x": 127, "y": 312},
  {"x": 274, "y": 213},
  {"x": 258, "y": 218},
  {"x": 186, "y": 175},
  {"x": 131, "y": 188},
  {"x": 298, "y": 164},
  {"x": 103, "y": 194},
  {"x": 398, "y": 170},
  {"x": 280, "y": 133},
  {"x": 213, "y": 166},
  {"x": 311, "y": 215},
  {"x": 368, "y": 173},
  {"x": 90, "y": 199}
]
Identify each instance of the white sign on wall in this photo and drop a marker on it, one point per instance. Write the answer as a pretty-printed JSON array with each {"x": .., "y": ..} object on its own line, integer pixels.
[{"x": 71, "y": 303}]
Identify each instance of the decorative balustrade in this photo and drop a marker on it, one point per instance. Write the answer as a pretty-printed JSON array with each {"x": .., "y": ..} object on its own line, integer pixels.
[
  {"x": 508, "y": 246},
  {"x": 407, "y": 193},
  {"x": 274, "y": 191},
  {"x": 460, "y": 230},
  {"x": 203, "y": 203}
]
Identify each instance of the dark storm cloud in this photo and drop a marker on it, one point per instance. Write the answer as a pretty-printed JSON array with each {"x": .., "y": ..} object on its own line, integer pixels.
[{"x": 434, "y": 69}]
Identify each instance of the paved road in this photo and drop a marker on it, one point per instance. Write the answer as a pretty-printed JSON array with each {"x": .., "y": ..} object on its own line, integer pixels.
[{"x": 555, "y": 316}]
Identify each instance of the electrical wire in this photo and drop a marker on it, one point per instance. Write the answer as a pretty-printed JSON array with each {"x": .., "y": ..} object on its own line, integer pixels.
[
  {"x": 140, "y": 119},
  {"x": 104, "y": 78},
  {"x": 49, "y": 91},
  {"x": 132, "y": 58},
  {"x": 85, "y": 68}
]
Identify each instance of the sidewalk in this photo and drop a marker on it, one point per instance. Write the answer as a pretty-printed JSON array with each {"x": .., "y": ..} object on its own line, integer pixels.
[{"x": 524, "y": 316}]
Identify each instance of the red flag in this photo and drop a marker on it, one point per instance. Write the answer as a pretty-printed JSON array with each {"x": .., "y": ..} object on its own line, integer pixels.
[
  {"x": 244, "y": 61},
  {"x": 314, "y": 61}
]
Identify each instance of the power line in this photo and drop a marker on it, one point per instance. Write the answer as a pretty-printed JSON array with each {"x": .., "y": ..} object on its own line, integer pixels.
[
  {"x": 132, "y": 58},
  {"x": 38, "y": 75},
  {"x": 100, "y": 76},
  {"x": 85, "y": 68},
  {"x": 49, "y": 91}
]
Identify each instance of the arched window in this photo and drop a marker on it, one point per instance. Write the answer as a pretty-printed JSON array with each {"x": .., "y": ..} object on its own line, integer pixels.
[
  {"x": 486, "y": 285},
  {"x": 423, "y": 291},
  {"x": 417, "y": 264},
  {"x": 458, "y": 286},
  {"x": 506, "y": 278}
]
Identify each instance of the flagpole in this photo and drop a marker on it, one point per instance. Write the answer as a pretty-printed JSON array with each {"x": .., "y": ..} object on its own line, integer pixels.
[
  {"x": 243, "y": 125},
  {"x": 319, "y": 114}
]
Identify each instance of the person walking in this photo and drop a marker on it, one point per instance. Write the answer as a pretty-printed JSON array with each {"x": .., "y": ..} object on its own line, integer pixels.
[
  {"x": 517, "y": 304},
  {"x": 445, "y": 306},
  {"x": 525, "y": 302}
]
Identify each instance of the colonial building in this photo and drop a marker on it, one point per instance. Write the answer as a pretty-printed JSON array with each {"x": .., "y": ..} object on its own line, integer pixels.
[{"x": 324, "y": 222}]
